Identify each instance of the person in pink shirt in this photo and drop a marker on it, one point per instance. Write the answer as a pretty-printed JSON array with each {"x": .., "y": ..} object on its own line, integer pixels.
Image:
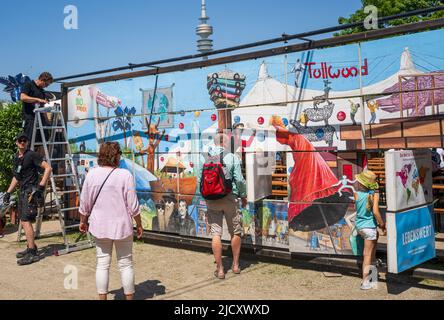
[{"x": 108, "y": 205}]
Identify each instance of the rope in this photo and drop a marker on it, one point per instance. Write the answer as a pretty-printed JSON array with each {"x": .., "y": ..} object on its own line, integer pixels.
[
  {"x": 417, "y": 56},
  {"x": 391, "y": 64},
  {"x": 154, "y": 100}
]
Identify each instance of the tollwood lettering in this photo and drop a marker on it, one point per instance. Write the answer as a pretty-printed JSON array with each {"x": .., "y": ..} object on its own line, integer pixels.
[{"x": 326, "y": 71}]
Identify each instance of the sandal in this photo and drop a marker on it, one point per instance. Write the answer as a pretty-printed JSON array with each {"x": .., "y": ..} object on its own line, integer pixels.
[
  {"x": 235, "y": 271},
  {"x": 219, "y": 275}
]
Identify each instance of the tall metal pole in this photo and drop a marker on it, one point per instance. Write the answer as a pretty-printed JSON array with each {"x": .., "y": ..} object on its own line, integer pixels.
[{"x": 362, "y": 99}]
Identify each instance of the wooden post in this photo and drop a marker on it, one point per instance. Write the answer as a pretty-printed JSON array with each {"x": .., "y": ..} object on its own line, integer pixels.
[
  {"x": 400, "y": 95},
  {"x": 433, "y": 96},
  {"x": 416, "y": 94},
  {"x": 224, "y": 119}
]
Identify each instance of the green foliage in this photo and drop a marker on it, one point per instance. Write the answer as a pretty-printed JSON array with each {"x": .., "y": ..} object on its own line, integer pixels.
[
  {"x": 74, "y": 148},
  {"x": 388, "y": 8},
  {"x": 10, "y": 126}
]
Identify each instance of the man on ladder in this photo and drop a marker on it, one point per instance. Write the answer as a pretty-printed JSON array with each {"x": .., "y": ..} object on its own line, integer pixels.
[
  {"x": 27, "y": 164},
  {"x": 33, "y": 96}
]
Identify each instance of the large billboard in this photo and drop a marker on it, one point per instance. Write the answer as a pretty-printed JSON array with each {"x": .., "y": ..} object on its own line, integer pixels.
[{"x": 314, "y": 111}]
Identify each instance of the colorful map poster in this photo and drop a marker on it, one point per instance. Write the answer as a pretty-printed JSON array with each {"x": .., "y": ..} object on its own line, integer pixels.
[{"x": 408, "y": 176}]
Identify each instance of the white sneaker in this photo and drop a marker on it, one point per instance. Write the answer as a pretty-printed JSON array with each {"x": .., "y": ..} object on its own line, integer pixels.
[{"x": 366, "y": 285}]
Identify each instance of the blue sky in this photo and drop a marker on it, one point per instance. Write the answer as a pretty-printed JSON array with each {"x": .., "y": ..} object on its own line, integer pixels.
[{"x": 115, "y": 33}]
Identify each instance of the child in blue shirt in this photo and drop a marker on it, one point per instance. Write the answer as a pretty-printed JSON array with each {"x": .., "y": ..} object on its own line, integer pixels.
[{"x": 368, "y": 218}]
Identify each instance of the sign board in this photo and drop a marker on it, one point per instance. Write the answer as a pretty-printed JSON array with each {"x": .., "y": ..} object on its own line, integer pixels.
[
  {"x": 410, "y": 238},
  {"x": 258, "y": 171},
  {"x": 79, "y": 104},
  {"x": 408, "y": 176}
]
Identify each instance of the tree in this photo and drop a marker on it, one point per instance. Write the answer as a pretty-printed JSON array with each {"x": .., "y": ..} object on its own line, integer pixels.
[
  {"x": 10, "y": 126},
  {"x": 391, "y": 7}
]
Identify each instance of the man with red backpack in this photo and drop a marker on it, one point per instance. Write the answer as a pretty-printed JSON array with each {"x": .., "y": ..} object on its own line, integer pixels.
[{"x": 221, "y": 183}]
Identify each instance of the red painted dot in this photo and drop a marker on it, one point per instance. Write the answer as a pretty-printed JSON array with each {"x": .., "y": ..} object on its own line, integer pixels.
[
  {"x": 162, "y": 158},
  {"x": 260, "y": 120},
  {"x": 341, "y": 116},
  {"x": 213, "y": 117},
  {"x": 181, "y": 126}
]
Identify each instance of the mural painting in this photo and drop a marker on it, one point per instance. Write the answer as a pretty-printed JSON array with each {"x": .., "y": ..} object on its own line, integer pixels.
[{"x": 305, "y": 115}]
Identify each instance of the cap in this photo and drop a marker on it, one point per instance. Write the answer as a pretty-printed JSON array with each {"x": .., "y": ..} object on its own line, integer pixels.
[{"x": 22, "y": 135}]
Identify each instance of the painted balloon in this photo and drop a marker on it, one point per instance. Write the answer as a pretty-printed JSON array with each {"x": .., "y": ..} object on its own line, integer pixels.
[
  {"x": 341, "y": 116},
  {"x": 213, "y": 117},
  {"x": 197, "y": 114},
  {"x": 320, "y": 133},
  {"x": 237, "y": 119},
  {"x": 181, "y": 126},
  {"x": 285, "y": 121},
  {"x": 260, "y": 120}
]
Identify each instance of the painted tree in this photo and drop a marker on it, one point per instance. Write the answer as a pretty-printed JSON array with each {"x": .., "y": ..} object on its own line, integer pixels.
[
  {"x": 154, "y": 139},
  {"x": 388, "y": 8},
  {"x": 123, "y": 120},
  {"x": 14, "y": 85}
]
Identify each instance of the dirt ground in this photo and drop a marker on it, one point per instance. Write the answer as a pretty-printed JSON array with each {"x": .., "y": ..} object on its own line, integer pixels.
[{"x": 170, "y": 273}]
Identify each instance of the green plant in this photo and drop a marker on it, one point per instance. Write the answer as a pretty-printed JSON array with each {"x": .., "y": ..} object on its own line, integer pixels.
[
  {"x": 74, "y": 148},
  {"x": 10, "y": 126},
  {"x": 388, "y": 8}
]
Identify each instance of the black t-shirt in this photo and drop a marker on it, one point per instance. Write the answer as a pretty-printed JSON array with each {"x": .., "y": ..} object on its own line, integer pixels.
[
  {"x": 32, "y": 90},
  {"x": 26, "y": 168}
]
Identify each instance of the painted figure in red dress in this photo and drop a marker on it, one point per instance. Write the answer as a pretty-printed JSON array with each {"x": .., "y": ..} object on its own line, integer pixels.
[{"x": 311, "y": 180}]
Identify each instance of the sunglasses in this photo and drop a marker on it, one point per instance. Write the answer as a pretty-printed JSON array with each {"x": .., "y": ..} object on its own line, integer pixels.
[{"x": 22, "y": 140}]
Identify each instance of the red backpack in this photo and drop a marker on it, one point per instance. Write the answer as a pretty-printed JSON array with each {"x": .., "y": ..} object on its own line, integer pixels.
[{"x": 213, "y": 183}]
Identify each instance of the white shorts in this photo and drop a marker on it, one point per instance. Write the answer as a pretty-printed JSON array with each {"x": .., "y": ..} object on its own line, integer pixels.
[{"x": 368, "y": 233}]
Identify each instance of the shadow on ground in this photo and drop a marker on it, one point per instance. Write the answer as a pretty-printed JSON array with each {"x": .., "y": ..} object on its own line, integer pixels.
[
  {"x": 145, "y": 290},
  {"x": 396, "y": 283}
]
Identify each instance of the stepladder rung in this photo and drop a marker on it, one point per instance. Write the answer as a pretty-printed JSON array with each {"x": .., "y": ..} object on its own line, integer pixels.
[
  {"x": 60, "y": 159},
  {"x": 72, "y": 226},
  {"x": 51, "y": 127},
  {"x": 68, "y": 191},
  {"x": 81, "y": 245},
  {"x": 69, "y": 209},
  {"x": 47, "y": 110},
  {"x": 63, "y": 175},
  {"x": 51, "y": 143}
]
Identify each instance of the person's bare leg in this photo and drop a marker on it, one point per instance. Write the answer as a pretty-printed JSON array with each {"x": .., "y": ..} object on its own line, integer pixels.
[
  {"x": 235, "y": 248},
  {"x": 216, "y": 245},
  {"x": 129, "y": 297},
  {"x": 103, "y": 297},
  {"x": 373, "y": 261},
  {"x": 367, "y": 260},
  {"x": 29, "y": 233}
]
